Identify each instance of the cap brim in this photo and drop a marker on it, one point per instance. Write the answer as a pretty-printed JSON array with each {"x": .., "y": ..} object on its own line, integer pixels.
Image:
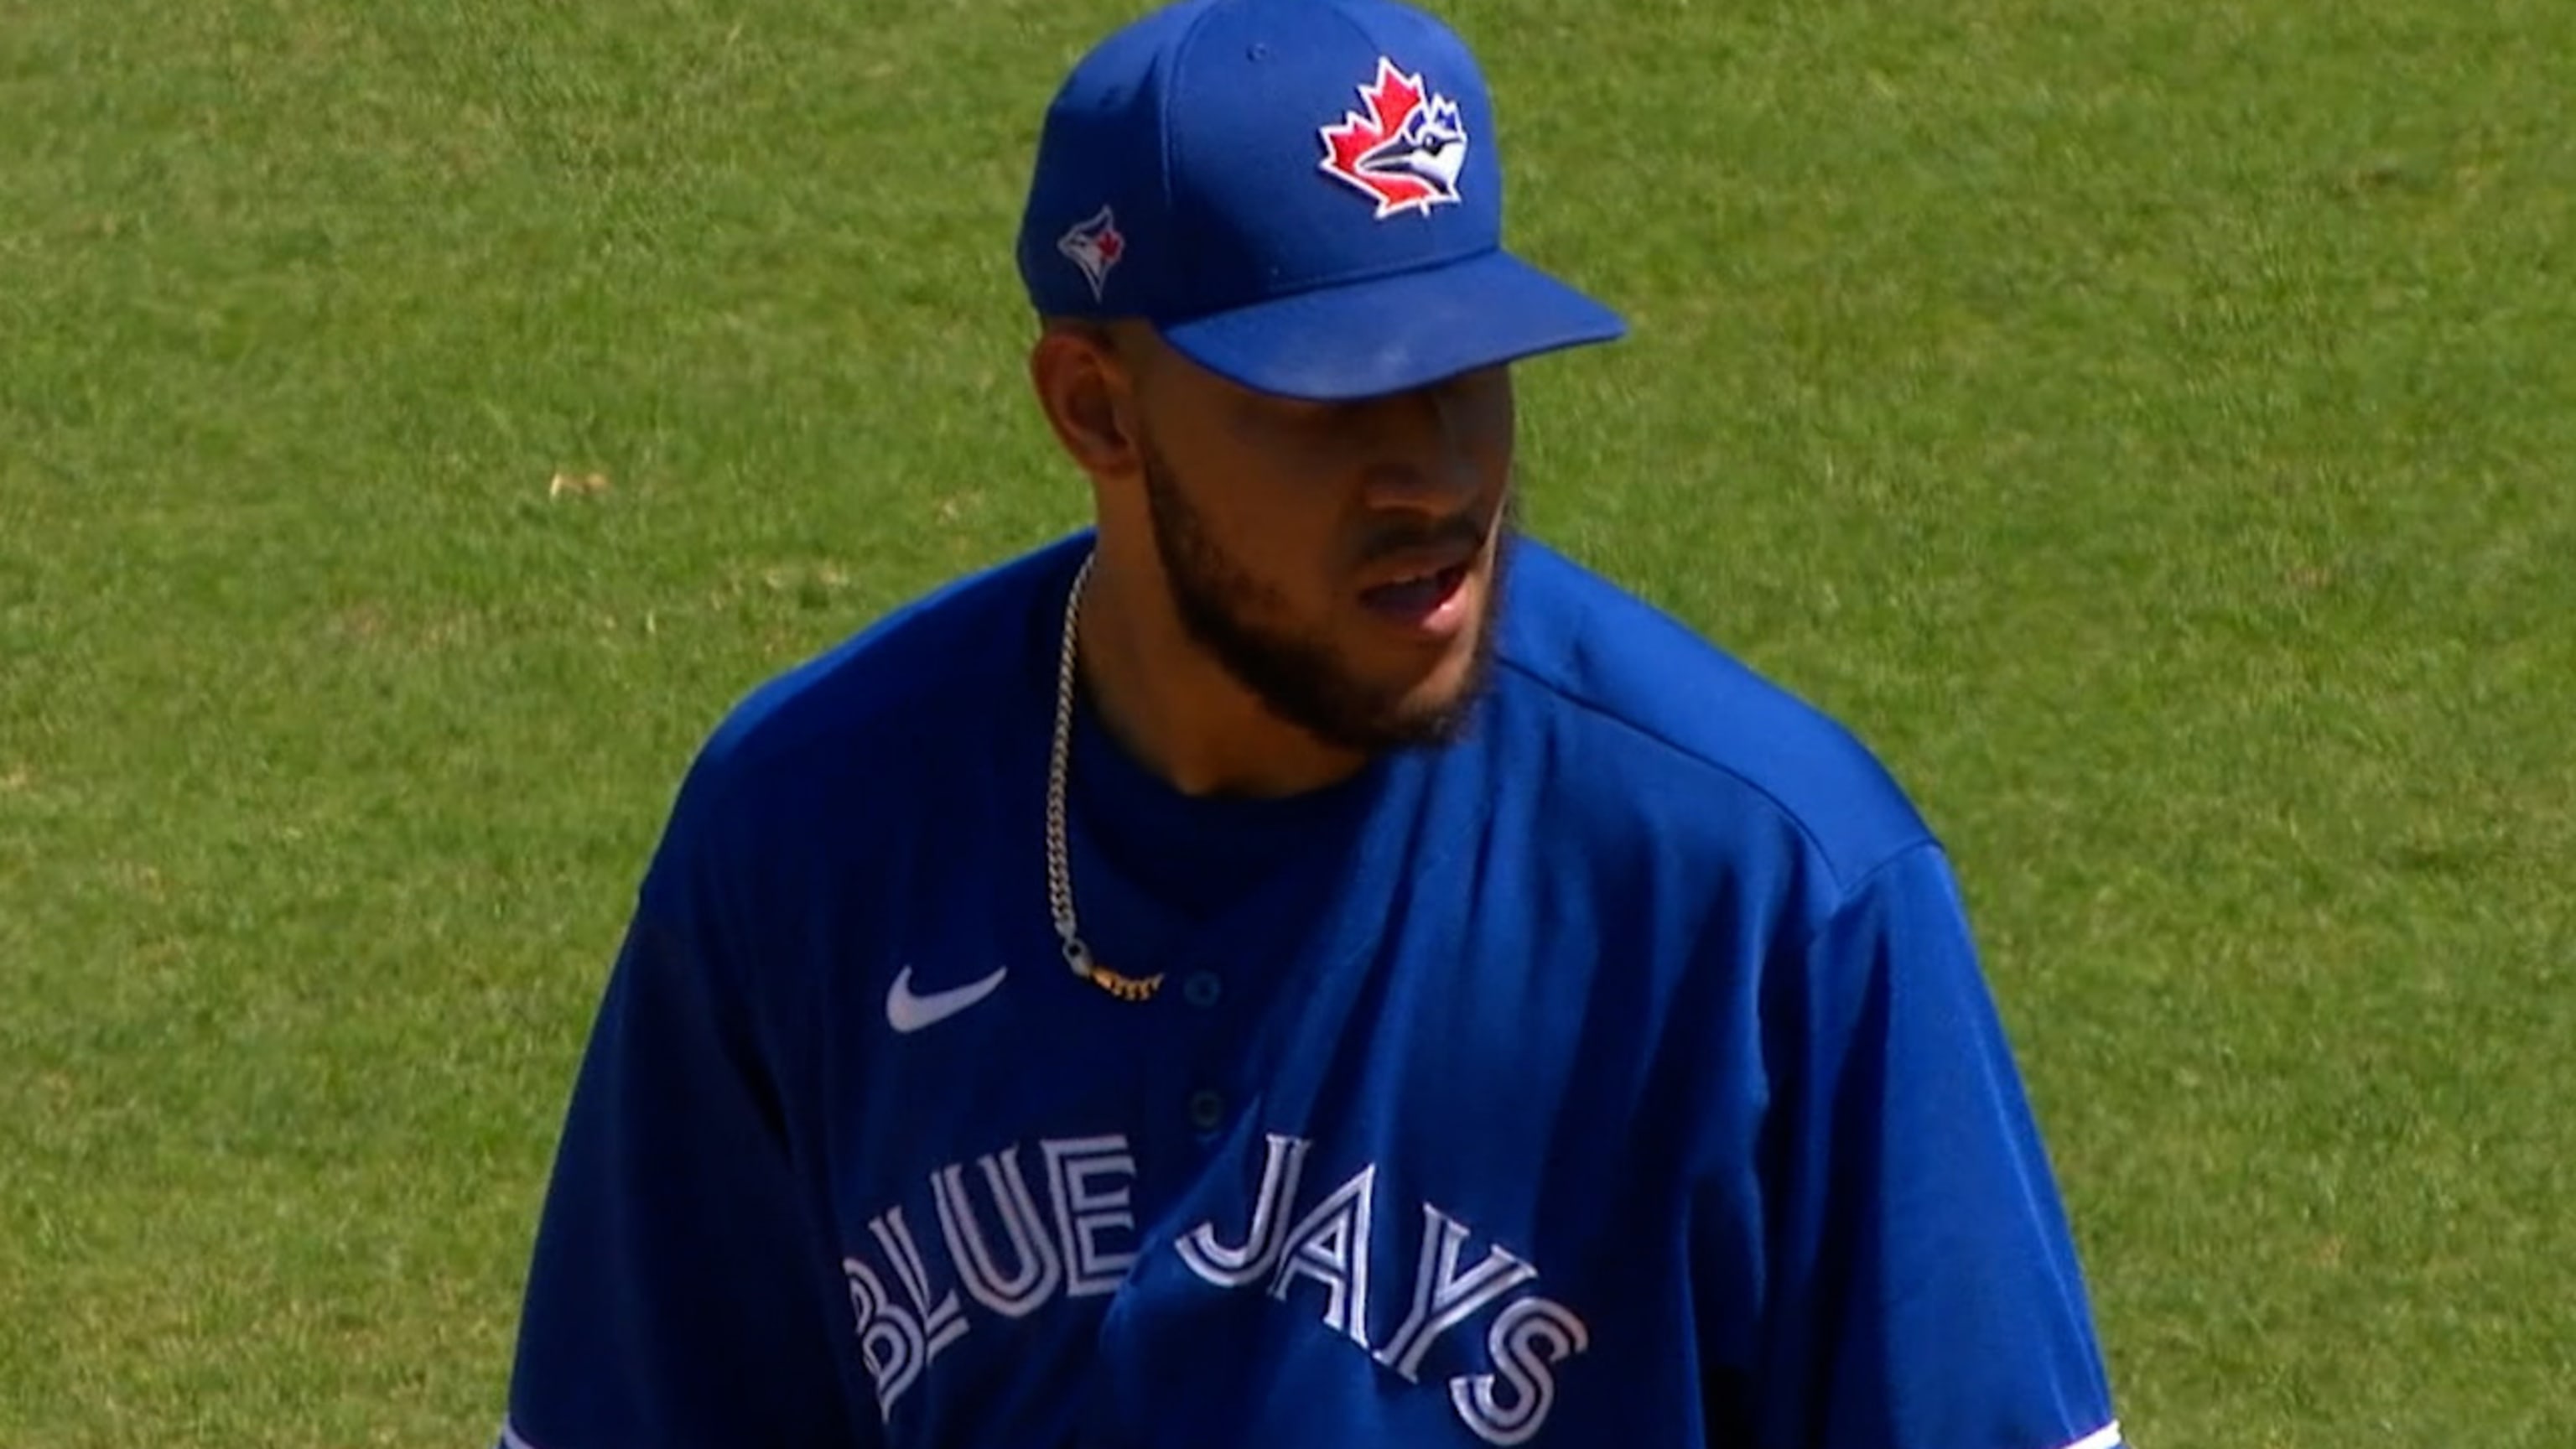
[{"x": 1393, "y": 333}]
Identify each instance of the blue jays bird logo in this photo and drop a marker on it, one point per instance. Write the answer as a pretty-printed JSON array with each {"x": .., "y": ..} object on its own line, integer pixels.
[
  {"x": 1095, "y": 245},
  {"x": 1406, "y": 152}
]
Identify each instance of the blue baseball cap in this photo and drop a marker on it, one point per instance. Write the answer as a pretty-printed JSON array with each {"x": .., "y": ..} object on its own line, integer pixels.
[{"x": 1301, "y": 196}]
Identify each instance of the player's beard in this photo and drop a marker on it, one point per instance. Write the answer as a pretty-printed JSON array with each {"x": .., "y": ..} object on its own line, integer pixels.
[{"x": 1298, "y": 677}]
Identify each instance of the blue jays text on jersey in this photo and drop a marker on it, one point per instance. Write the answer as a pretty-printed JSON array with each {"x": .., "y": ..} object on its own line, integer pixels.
[{"x": 1619, "y": 1074}]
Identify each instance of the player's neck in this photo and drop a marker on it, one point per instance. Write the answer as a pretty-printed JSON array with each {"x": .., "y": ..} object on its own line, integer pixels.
[{"x": 1180, "y": 713}]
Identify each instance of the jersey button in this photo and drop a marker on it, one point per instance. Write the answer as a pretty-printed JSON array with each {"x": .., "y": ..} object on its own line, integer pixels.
[
  {"x": 1203, "y": 989},
  {"x": 1207, "y": 1109}
]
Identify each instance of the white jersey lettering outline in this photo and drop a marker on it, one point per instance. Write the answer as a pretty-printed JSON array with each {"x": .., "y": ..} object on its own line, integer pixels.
[
  {"x": 1331, "y": 1246},
  {"x": 1035, "y": 1273},
  {"x": 1442, "y": 1298},
  {"x": 1283, "y": 1162}
]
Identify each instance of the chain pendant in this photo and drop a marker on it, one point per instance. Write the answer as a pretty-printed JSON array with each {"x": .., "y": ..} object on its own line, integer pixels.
[{"x": 1125, "y": 988}]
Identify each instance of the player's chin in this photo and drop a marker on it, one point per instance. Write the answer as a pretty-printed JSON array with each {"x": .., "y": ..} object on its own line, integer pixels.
[
  {"x": 1431, "y": 713},
  {"x": 1419, "y": 694}
]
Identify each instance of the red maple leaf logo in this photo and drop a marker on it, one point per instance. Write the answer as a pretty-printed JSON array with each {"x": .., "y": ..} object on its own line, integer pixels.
[{"x": 1406, "y": 152}]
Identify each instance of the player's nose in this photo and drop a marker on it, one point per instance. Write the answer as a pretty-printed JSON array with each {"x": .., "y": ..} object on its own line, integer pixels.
[{"x": 1435, "y": 444}]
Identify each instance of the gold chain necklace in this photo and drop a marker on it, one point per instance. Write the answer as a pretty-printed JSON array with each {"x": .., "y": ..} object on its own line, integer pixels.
[{"x": 1059, "y": 875}]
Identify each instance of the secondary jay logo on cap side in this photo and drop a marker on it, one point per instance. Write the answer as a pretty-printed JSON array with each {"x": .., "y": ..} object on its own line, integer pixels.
[
  {"x": 1095, "y": 245},
  {"x": 1406, "y": 153}
]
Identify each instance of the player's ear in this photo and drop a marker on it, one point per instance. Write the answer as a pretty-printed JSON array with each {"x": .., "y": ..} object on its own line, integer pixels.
[{"x": 1088, "y": 395}]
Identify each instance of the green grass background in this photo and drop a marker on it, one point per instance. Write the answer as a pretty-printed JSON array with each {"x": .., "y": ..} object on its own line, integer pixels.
[{"x": 2148, "y": 424}]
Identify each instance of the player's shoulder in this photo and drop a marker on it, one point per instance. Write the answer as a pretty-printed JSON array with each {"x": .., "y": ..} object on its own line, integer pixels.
[
  {"x": 870, "y": 711},
  {"x": 1668, "y": 712}
]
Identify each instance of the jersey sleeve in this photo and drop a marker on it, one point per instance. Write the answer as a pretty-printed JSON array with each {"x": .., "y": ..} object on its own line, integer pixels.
[
  {"x": 677, "y": 1295},
  {"x": 1925, "y": 1289}
]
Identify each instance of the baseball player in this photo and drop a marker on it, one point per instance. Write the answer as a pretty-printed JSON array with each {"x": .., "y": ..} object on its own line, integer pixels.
[{"x": 1298, "y": 963}]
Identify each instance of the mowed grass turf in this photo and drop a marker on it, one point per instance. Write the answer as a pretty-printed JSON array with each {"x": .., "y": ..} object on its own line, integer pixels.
[{"x": 2147, "y": 424}]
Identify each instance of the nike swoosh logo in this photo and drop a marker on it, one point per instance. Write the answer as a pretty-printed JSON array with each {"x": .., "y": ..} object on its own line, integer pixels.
[{"x": 906, "y": 1012}]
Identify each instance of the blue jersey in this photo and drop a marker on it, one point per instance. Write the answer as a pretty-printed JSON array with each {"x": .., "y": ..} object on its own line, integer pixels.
[{"x": 1621, "y": 1074}]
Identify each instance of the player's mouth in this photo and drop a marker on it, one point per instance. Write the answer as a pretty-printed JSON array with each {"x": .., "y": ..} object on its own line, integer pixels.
[{"x": 1426, "y": 596}]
